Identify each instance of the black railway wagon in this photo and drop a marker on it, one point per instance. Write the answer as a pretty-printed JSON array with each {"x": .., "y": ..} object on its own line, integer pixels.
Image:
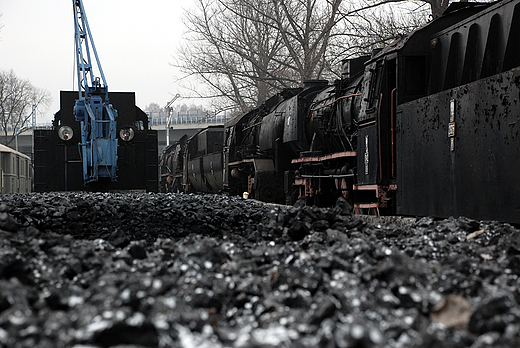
[
  {"x": 260, "y": 144},
  {"x": 202, "y": 165},
  {"x": 57, "y": 162},
  {"x": 458, "y": 145}
]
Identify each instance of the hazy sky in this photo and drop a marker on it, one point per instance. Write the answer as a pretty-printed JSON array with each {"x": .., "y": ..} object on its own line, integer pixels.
[{"x": 135, "y": 41}]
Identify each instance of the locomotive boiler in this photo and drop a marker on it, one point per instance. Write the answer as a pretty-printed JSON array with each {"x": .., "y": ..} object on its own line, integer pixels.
[
  {"x": 259, "y": 145},
  {"x": 171, "y": 164}
]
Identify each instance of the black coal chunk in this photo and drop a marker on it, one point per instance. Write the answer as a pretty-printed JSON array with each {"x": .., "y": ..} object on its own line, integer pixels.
[
  {"x": 494, "y": 314},
  {"x": 90, "y": 269},
  {"x": 144, "y": 335},
  {"x": 7, "y": 222}
]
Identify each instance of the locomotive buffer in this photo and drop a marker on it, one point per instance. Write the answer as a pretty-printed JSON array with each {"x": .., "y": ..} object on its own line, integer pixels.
[{"x": 98, "y": 146}]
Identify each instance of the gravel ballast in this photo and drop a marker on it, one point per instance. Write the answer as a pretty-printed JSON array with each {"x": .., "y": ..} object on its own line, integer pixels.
[{"x": 173, "y": 270}]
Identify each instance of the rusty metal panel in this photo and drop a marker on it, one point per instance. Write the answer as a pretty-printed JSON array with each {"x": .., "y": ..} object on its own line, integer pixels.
[
  {"x": 325, "y": 157},
  {"x": 459, "y": 151}
]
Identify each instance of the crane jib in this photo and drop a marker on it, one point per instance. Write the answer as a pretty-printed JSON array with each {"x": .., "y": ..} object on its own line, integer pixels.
[{"x": 98, "y": 146}]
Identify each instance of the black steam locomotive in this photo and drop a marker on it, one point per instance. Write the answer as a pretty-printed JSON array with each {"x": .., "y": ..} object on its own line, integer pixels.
[
  {"x": 58, "y": 165},
  {"x": 429, "y": 125}
]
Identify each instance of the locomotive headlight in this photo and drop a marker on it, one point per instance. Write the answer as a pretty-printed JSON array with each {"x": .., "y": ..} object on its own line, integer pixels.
[
  {"x": 65, "y": 133},
  {"x": 126, "y": 133}
]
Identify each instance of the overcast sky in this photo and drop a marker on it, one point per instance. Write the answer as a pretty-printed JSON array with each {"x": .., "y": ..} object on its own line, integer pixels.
[{"x": 135, "y": 41}]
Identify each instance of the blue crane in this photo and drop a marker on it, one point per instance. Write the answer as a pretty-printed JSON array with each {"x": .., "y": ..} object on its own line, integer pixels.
[{"x": 98, "y": 146}]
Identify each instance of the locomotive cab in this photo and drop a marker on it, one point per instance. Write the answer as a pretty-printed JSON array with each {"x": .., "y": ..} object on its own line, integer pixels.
[{"x": 376, "y": 174}]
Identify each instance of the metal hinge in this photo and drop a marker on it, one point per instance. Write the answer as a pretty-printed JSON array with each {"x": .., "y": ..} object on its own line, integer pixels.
[{"x": 451, "y": 125}]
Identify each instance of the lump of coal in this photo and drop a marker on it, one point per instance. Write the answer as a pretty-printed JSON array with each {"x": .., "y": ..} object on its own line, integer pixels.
[
  {"x": 7, "y": 222},
  {"x": 183, "y": 270}
]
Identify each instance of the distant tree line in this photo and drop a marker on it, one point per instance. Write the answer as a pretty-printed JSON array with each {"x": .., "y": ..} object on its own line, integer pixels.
[
  {"x": 19, "y": 101},
  {"x": 243, "y": 51}
]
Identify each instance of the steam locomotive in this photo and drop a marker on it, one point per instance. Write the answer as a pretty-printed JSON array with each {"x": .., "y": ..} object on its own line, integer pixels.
[{"x": 428, "y": 126}]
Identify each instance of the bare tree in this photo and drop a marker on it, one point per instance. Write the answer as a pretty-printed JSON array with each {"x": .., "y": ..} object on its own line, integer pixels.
[
  {"x": 306, "y": 27},
  {"x": 369, "y": 25},
  {"x": 365, "y": 27},
  {"x": 154, "y": 107},
  {"x": 155, "y": 112},
  {"x": 439, "y": 6},
  {"x": 264, "y": 45},
  {"x": 19, "y": 99},
  {"x": 244, "y": 50},
  {"x": 232, "y": 54}
]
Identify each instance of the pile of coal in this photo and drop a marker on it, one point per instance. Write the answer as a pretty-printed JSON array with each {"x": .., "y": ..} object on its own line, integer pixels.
[{"x": 165, "y": 270}]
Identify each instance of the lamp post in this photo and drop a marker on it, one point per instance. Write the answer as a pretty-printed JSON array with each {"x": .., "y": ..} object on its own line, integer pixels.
[
  {"x": 33, "y": 119},
  {"x": 169, "y": 117},
  {"x": 23, "y": 129}
]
